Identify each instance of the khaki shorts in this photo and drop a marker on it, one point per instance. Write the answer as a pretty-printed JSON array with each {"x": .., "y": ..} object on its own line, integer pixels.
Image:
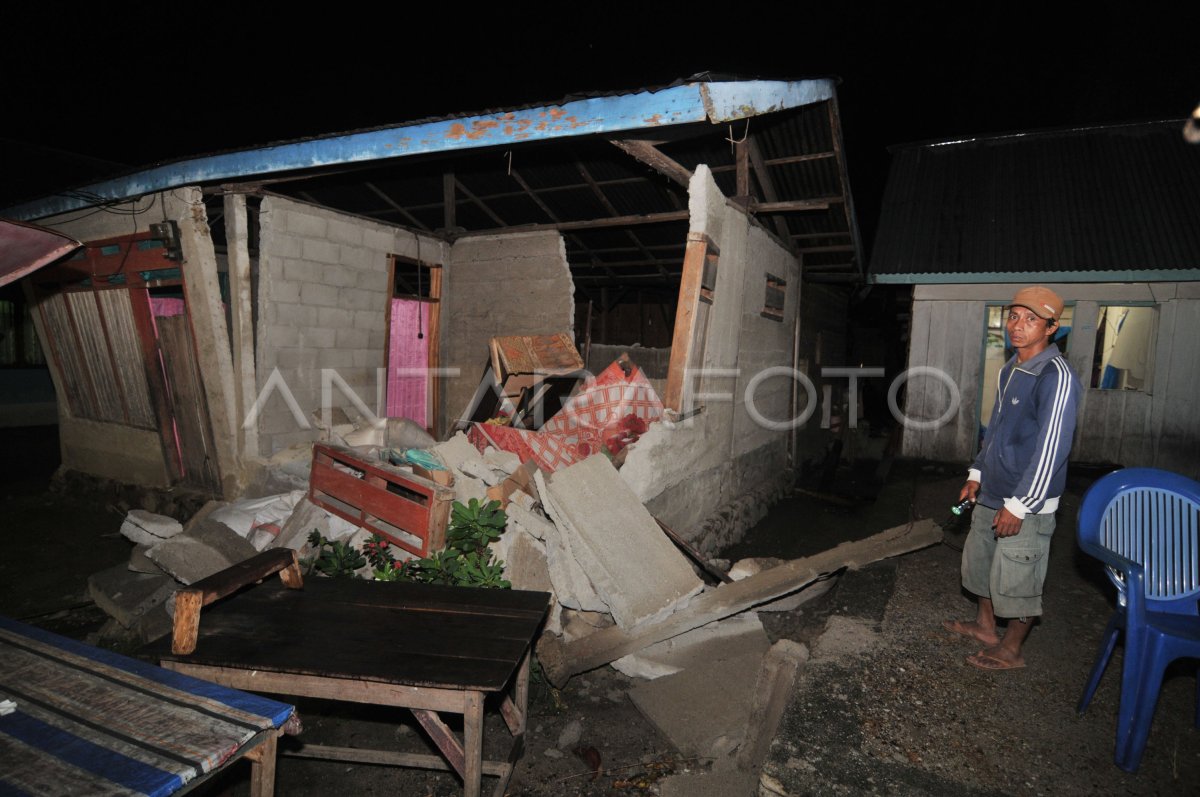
[{"x": 1011, "y": 570}]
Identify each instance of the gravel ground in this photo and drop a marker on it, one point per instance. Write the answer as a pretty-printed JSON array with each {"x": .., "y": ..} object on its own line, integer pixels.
[{"x": 887, "y": 704}]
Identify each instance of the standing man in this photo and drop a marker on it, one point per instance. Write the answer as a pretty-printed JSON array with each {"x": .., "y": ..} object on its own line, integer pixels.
[{"x": 1016, "y": 481}]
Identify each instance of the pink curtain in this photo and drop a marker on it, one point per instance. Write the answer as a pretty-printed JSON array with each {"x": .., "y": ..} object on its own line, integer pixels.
[
  {"x": 165, "y": 307},
  {"x": 408, "y": 359}
]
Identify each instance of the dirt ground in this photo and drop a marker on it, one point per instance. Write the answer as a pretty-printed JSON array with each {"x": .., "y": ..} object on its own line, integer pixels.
[{"x": 886, "y": 705}]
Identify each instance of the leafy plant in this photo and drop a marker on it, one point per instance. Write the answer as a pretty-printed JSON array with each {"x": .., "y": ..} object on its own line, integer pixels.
[
  {"x": 467, "y": 560},
  {"x": 474, "y": 526},
  {"x": 334, "y": 558}
]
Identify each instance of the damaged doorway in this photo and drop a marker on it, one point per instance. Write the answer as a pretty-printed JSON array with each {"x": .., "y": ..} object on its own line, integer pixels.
[
  {"x": 188, "y": 404},
  {"x": 414, "y": 313},
  {"x": 115, "y": 324}
]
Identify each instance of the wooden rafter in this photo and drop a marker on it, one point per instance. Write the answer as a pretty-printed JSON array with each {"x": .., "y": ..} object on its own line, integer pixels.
[
  {"x": 656, "y": 159},
  {"x": 410, "y": 218},
  {"x": 765, "y": 181}
]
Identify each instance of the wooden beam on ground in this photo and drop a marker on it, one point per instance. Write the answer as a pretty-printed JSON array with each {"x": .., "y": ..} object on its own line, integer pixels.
[
  {"x": 656, "y": 159},
  {"x": 562, "y": 660},
  {"x": 771, "y": 696}
]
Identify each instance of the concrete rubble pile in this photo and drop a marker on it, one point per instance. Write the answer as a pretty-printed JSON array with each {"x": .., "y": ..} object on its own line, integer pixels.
[{"x": 624, "y": 592}]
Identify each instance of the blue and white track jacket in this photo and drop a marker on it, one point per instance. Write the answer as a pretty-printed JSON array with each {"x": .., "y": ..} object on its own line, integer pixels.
[{"x": 1022, "y": 465}]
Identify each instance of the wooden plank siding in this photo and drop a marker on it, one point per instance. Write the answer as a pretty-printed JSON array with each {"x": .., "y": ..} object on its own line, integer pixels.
[{"x": 1159, "y": 428}]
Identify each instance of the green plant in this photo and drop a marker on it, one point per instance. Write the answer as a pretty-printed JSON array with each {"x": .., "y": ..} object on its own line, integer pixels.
[
  {"x": 333, "y": 558},
  {"x": 467, "y": 560},
  {"x": 474, "y": 526}
]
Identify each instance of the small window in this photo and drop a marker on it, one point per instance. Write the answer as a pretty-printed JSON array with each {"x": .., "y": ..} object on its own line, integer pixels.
[
  {"x": 773, "y": 302},
  {"x": 1124, "y": 355}
]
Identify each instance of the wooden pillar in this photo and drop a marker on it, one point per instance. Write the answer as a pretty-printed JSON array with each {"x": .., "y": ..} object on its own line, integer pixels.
[
  {"x": 241, "y": 311},
  {"x": 202, "y": 292}
]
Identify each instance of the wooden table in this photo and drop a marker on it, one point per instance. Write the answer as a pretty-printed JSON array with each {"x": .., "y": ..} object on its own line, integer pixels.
[
  {"x": 425, "y": 648},
  {"x": 90, "y": 721}
]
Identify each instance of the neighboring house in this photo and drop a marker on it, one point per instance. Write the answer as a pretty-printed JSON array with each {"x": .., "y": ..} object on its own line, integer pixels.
[
  {"x": 1107, "y": 216},
  {"x": 221, "y": 301}
]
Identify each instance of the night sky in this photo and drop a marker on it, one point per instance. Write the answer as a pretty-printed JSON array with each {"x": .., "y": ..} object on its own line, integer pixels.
[{"x": 134, "y": 87}]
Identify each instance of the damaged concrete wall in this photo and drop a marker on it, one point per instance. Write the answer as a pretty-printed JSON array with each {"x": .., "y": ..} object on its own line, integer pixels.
[
  {"x": 129, "y": 454},
  {"x": 517, "y": 284},
  {"x": 322, "y": 312},
  {"x": 712, "y": 476}
]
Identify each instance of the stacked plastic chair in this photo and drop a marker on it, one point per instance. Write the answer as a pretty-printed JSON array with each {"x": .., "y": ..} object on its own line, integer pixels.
[{"x": 1144, "y": 525}]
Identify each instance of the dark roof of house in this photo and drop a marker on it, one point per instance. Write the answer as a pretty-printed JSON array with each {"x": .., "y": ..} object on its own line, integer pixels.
[
  {"x": 609, "y": 171},
  {"x": 1115, "y": 203}
]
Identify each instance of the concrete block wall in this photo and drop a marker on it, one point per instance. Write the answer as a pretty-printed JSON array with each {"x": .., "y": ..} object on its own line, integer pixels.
[
  {"x": 323, "y": 299},
  {"x": 712, "y": 476},
  {"x": 517, "y": 284}
]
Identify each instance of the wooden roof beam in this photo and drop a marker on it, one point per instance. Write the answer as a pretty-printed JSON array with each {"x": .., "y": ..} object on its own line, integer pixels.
[
  {"x": 656, "y": 159},
  {"x": 410, "y": 218}
]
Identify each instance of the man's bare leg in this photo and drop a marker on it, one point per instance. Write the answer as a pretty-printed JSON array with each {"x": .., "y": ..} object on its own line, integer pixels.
[
  {"x": 1007, "y": 654},
  {"x": 982, "y": 628}
]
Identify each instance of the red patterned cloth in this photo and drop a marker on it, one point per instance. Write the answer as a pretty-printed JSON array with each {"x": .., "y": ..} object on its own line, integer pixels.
[{"x": 610, "y": 412}]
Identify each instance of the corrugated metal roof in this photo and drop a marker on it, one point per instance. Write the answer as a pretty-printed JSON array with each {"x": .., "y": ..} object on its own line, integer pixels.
[{"x": 1118, "y": 202}]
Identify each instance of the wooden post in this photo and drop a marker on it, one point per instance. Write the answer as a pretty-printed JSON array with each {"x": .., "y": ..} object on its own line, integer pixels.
[
  {"x": 449, "y": 206},
  {"x": 473, "y": 738},
  {"x": 241, "y": 312},
  {"x": 262, "y": 770}
]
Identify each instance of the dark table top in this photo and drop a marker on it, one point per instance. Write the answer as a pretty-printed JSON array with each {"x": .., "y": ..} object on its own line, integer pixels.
[{"x": 389, "y": 632}]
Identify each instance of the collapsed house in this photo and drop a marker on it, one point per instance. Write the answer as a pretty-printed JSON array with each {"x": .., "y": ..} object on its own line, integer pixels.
[
  {"x": 1106, "y": 216},
  {"x": 225, "y": 308}
]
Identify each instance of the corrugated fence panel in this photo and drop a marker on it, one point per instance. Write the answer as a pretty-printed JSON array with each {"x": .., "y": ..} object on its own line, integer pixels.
[
  {"x": 71, "y": 364},
  {"x": 127, "y": 353},
  {"x": 90, "y": 331}
]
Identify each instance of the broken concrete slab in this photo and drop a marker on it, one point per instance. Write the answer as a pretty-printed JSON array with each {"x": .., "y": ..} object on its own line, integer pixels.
[
  {"x": 526, "y": 567},
  {"x": 704, "y": 709},
  {"x": 140, "y": 563},
  {"x": 696, "y": 646},
  {"x": 771, "y": 695},
  {"x": 457, "y": 452},
  {"x": 147, "y": 528},
  {"x": 633, "y": 566},
  {"x": 126, "y": 596},
  {"x": 197, "y": 553},
  {"x": 505, "y": 461},
  {"x": 306, "y": 518},
  {"x": 560, "y": 660},
  {"x": 572, "y": 586}
]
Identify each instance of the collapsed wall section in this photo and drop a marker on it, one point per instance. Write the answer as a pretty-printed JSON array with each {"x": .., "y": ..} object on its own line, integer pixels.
[
  {"x": 712, "y": 476},
  {"x": 515, "y": 284},
  {"x": 124, "y": 452},
  {"x": 323, "y": 314}
]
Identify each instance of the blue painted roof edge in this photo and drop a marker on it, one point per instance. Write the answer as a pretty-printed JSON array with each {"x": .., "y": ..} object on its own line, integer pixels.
[
  {"x": 1128, "y": 275},
  {"x": 684, "y": 104}
]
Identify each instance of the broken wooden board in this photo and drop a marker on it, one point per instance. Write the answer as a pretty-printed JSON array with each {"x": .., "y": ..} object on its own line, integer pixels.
[
  {"x": 562, "y": 660},
  {"x": 771, "y": 696}
]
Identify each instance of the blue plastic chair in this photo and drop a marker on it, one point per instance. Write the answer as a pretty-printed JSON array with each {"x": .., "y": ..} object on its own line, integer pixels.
[{"x": 1144, "y": 524}]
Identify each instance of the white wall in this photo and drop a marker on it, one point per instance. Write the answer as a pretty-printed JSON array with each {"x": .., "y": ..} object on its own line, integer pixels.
[
  {"x": 1156, "y": 428},
  {"x": 723, "y": 458}
]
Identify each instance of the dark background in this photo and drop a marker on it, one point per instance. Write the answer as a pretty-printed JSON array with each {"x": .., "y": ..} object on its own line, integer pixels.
[{"x": 89, "y": 90}]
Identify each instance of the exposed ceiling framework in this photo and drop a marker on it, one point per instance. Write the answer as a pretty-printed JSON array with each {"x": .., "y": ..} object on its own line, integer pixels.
[{"x": 610, "y": 172}]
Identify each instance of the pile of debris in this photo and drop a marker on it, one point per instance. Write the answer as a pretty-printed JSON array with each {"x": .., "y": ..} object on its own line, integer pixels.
[{"x": 626, "y": 589}]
